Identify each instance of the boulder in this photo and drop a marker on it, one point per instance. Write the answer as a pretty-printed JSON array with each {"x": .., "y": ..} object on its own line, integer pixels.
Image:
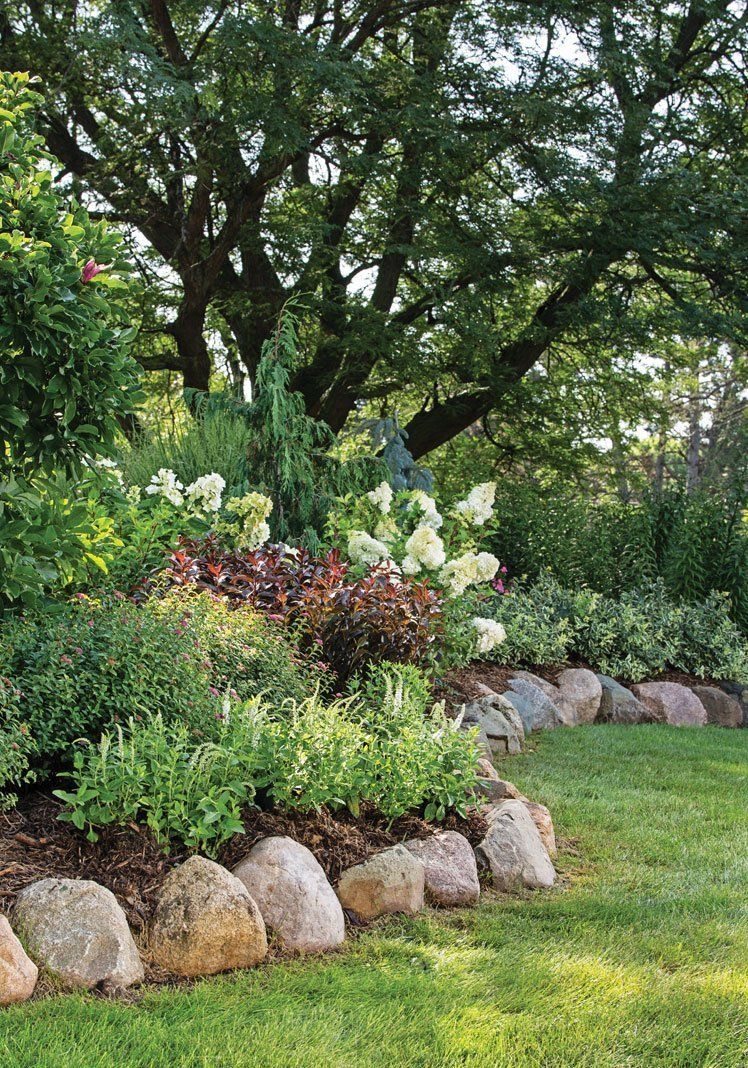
[
  {"x": 292, "y": 893},
  {"x": 451, "y": 873},
  {"x": 535, "y": 708},
  {"x": 77, "y": 931},
  {"x": 554, "y": 695},
  {"x": 500, "y": 726},
  {"x": 722, "y": 709},
  {"x": 205, "y": 922},
  {"x": 619, "y": 705},
  {"x": 485, "y": 769},
  {"x": 390, "y": 881},
  {"x": 18, "y": 974},
  {"x": 740, "y": 691},
  {"x": 669, "y": 702},
  {"x": 513, "y": 849},
  {"x": 541, "y": 817},
  {"x": 581, "y": 691}
]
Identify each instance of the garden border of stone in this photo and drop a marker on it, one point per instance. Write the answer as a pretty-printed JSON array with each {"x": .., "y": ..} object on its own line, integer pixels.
[{"x": 208, "y": 919}]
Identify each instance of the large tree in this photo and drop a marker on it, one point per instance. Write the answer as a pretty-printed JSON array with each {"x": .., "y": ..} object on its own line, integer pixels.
[{"x": 458, "y": 190}]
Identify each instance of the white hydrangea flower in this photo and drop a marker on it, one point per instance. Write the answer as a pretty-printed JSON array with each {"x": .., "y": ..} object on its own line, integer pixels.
[
  {"x": 486, "y": 566},
  {"x": 363, "y": 549},
  {"x": 134, "y": 494},
  {"x": 104, "y": 463},
  {"x": 410, "y": 566},
  {"x": 253, "y": 509},
  {"x": 256, "y": 536},
  {"x": 167, "y": 485},
  {"x": 425, "y": 546},
  {"x": 460, "y": 573},
  {"x": 478, "y": 505},
  {"x": 386, "y": 529},
  {"x": 206, "y": 493},
  {"x": 490, "y": 634},
  {"x": 381, "y": 497},
  {"x": 431, "y": 517}
]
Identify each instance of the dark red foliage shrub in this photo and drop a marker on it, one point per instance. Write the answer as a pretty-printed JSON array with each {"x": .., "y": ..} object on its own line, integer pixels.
[{"x": 352, "y": 621}]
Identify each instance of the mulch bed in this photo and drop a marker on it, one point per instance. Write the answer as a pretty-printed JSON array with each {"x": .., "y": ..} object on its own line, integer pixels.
[{"x": 34, "y": 844}]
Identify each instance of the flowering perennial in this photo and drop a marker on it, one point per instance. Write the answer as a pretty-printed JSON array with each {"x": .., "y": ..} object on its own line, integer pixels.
[
  {"x": 490, "y": 634},
  {"x": 424, "y": 548},
  {"x": 381, "y": 497},
  {"x": 167, "y": 485},
  {"x": 431, "y": 516},
  {"x": 477, "y": 507},
  {"x": 363, "y": 549},
  {"x": 206, "y": 492},
  {"x": 253, "y": 510}
]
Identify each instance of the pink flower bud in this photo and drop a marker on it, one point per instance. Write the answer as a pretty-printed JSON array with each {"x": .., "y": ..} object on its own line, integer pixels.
[{"x": 91, "y": 269}]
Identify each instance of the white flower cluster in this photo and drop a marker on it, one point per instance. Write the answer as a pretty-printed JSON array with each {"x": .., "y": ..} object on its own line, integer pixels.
[
  {"x": 363, "y": 549},
  {"x": 205, "y": 493},
  {"x": 490, "y": 634},
  {"x": 424, "y": 548},
  {"x": 381, "y": 497},
  {"x": 468, "y": 569},
  {"x": 167, "y": 485},
  {"x": 478, "y": 505},
  {"x": 253, "y": 509},
  {"x": 104, "y": 463},
  {"x": 431, "y": 517}
]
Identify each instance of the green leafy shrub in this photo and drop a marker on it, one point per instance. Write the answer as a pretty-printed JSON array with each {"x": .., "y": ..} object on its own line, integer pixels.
[
  {"x": 65, "y": 375},
  {"x": 634, "y": 636},
  {"x": 694, "y": 544},
  {"x": 383, "y": 747},
  {"x": 94, "y": 662},
  {"x": 154, "y": 773},
  {"x": 539, "y": 621},
  {"x": 16, "y": 743},
  {"x": 51, "y": 537}
]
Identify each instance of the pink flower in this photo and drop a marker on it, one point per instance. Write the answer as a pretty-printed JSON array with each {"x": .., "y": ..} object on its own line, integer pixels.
[{"x": 91, "y": 269}]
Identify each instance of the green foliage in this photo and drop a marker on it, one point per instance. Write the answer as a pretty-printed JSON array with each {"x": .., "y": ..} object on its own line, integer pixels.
[
  {"x": 288, "y": 452},
  {"x": 212, "y": 439},
  {"x": 65, "y": 374},
  {"x": 695, "y": 544},
  {"x": 635, "y": 636},
  {"x": 16, "y": 744},
  {"x": 155, "y": 773},
  {"x": 321, "y": 151},
  {"x": 52, "y": 536},
  {"x": 384, "y": 747},
  {"x": 94, "y": 662},
  {"x": 539, "y": 622}
]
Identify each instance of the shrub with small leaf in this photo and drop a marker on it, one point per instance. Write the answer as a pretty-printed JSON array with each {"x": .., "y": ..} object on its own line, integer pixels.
[
  {"x": 16, "y": 743},
  {"x": 383, "y": 746},
  {"x": 94, "y": 662}
]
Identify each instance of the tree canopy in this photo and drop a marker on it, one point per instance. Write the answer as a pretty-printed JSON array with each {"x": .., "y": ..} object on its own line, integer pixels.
[{"x": 459, "y": 192}]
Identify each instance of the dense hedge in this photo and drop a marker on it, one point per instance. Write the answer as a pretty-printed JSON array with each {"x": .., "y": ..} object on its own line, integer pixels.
[{"x": 638, "y": 634}]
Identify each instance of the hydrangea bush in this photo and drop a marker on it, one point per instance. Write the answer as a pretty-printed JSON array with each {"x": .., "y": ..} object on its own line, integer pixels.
[{"x": 409, "y": 535}]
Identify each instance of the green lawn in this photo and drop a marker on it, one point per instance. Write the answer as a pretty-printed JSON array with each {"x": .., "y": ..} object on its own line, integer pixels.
[{"x": 641, "y": 959}]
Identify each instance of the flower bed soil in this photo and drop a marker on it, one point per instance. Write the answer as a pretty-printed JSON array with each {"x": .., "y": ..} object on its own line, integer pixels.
[{"x": 34, "y": 844}]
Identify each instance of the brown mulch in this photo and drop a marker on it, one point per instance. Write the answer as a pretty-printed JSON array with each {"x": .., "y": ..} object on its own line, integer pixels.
[{"x": 34, "y": 844}]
